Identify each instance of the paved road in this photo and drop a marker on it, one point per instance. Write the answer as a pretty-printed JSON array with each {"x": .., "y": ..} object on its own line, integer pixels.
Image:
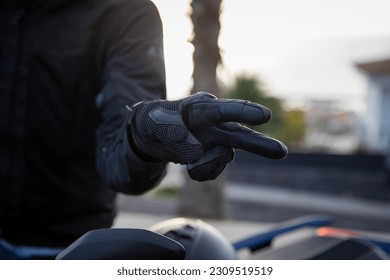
[{"x": 232, "y": 230}]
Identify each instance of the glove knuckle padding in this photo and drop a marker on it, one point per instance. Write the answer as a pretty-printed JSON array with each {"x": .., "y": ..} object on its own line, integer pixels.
[{"x": 161, "y": 126}]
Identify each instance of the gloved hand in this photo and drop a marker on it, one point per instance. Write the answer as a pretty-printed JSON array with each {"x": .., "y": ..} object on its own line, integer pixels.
[{"x": 200, "y": 131}]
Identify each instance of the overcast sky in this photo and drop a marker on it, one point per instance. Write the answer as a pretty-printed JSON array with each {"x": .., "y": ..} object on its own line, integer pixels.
[{"x": 299, "y": 47}]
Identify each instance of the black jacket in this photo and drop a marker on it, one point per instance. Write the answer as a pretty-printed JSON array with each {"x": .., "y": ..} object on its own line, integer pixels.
[{"x": 68, "y": 68}]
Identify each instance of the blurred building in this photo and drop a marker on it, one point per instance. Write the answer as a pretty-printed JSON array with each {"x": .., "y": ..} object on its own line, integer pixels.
[
  {"x": 331, "y": 127},
  {"x": 377, "y": 121}
]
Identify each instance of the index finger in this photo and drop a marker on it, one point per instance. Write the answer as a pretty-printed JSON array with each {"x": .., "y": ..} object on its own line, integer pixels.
[
  {"x": 206, "y": 109},
  {"x": 232, "y": 110}
]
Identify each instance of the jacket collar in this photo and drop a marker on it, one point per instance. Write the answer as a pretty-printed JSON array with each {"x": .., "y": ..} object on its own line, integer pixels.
[{"x": 35, "y": 4}]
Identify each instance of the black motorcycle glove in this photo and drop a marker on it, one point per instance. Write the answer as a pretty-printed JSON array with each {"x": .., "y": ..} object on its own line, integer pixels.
[{"x": 200, "y": 131}]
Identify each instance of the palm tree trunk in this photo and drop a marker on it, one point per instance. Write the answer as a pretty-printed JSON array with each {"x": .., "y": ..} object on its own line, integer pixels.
[{"x": 206, "y": 199}]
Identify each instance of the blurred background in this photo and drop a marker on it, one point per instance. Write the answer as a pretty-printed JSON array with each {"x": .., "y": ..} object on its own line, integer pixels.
[{"x": 323, "y": 68}]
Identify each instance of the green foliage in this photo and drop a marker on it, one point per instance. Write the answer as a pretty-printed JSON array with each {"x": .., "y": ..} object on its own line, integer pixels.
[
  {"x": 287, "y": 126},
  {"x": 293, "y": 128},
  {"x": 166, "y": 191}
]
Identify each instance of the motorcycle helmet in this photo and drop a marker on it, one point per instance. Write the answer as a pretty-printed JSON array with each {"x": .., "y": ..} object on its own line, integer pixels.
[{"x": 200, "y": 240}]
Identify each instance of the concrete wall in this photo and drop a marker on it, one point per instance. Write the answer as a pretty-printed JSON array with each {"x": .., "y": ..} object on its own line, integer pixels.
[{"x": 361, "y": 176}]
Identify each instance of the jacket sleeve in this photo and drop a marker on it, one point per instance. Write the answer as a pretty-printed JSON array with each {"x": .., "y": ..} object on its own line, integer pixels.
[{"x": 133, "y": 71}]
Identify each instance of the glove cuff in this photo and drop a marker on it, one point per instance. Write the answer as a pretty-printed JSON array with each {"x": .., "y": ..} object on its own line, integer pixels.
[{"x": 133, "y": 137}]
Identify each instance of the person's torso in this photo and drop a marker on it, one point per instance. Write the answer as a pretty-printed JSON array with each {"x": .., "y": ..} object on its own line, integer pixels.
[{"x": 50, "y": 61}]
